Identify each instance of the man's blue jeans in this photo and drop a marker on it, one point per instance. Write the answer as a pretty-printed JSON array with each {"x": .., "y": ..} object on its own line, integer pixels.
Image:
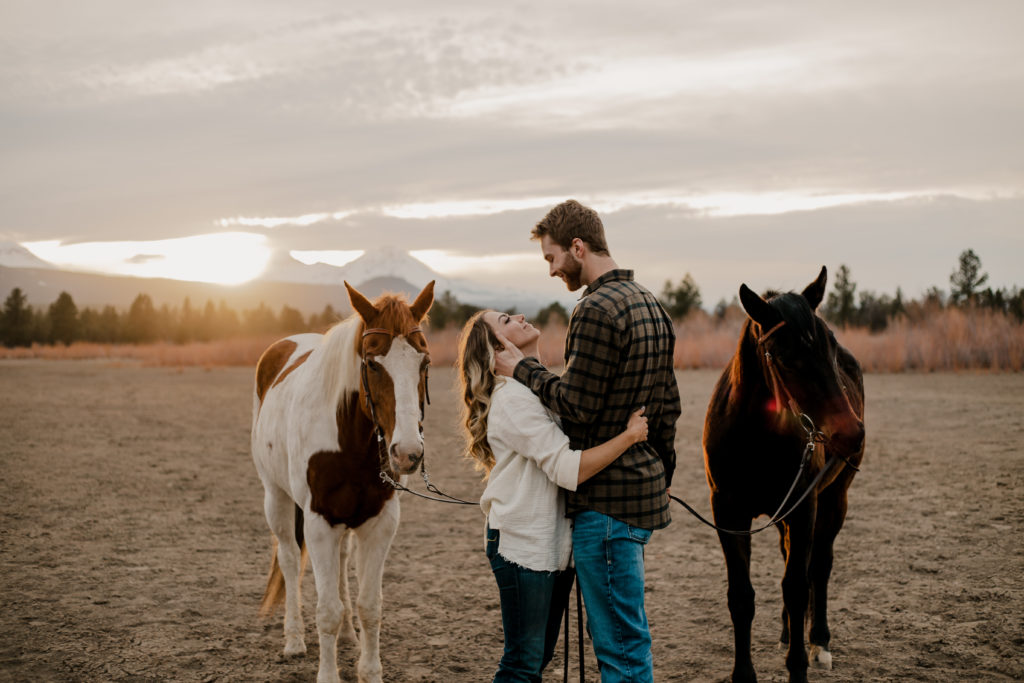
[
  {"x": 532, "y": 604},
  {"x": 609, "y": 557}
]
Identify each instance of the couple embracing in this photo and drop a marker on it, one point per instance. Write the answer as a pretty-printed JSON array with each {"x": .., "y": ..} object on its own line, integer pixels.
[{"x": 578, "y": 465}]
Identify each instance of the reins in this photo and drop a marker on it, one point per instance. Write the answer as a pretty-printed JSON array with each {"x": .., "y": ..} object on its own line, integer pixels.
[{"x": 814, "y": 436}]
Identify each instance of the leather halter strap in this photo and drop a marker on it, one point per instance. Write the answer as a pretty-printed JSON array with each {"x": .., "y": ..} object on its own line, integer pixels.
[
  {"x": 760, "y": 340},
  {"x": 778, "y": 386}
]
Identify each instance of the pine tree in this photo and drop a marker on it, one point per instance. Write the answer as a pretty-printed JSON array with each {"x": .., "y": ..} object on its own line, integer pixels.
[
  {"x": 679, "y": 301},
  {"x": 63, "y": 320},
  {"x": 967, "y": 280},
  {"x": 840, "y": 307},
  {"x": 16, "y": 320}
]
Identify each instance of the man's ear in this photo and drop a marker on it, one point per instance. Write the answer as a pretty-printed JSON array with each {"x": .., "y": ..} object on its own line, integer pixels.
[{"x": 577, "y": 247}]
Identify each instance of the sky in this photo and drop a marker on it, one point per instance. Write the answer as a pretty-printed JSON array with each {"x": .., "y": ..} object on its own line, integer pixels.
[{"x": 737, "y": 142}]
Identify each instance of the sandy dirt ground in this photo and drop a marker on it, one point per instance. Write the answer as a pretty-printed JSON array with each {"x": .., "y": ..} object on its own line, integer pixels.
[{"x": 133, "y": 545}]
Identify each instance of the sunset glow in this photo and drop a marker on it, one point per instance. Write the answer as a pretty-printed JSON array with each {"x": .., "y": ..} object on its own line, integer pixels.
[{"x": 226, "y": 258}]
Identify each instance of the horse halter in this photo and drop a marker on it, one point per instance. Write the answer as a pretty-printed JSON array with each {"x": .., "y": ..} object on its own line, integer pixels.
[
  {"x": 385, "y": 464},
  {"x": 814, "y": 435},
  {"x": 778, "y": 386}
]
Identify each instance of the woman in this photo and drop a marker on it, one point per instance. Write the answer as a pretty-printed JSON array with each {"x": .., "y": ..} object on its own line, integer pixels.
[{"x": 526, "y": 457}]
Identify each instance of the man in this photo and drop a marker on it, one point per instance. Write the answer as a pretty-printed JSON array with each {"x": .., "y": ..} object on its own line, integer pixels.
[{"x": 618, "y": 357}]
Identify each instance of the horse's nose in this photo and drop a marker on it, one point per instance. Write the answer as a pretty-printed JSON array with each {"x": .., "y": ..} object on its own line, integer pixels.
[
  {"x": 406, "y": 459},
  {"x": 857, "y": 442},
  {"x": 850, "y": 438}
]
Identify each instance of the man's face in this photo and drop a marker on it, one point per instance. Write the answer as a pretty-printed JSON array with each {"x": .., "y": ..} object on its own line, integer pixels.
[{"x": 562, "y": 263}]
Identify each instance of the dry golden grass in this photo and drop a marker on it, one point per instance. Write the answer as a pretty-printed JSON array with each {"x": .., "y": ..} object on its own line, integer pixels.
[
  {"x": 952, "y": 339},
  {"x": 242, "y": 351},
  {"x": 948, "y": 340}
]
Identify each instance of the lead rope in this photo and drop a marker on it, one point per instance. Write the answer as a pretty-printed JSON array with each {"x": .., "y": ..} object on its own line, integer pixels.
[
  {"x": 579, "y": 632},
  {"x": 579, "y": 624},
  {"x": 813, "y": 436}
]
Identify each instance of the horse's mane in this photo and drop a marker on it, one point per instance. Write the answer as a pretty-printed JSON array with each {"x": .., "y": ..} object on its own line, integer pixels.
[{"x": 339, "y": 361}]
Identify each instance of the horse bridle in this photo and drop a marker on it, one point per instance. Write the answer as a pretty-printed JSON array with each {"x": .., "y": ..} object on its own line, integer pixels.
[
  {"x": 387, "y": 474},
  {"x": 779, "y": 386}
]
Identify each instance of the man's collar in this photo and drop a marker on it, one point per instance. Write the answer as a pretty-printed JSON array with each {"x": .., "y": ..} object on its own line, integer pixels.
[{"x": 610, "y": 276}]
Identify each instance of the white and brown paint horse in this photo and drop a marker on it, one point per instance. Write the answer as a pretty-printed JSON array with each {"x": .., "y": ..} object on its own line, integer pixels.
[{"x": 319, "y": 404}]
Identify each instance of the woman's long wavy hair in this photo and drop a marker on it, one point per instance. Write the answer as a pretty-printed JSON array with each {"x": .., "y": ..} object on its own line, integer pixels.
[{"x": 475, "y": 365}]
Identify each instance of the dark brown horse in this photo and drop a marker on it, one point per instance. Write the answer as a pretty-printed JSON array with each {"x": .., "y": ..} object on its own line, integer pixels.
[{"x": 786, "y": 418}]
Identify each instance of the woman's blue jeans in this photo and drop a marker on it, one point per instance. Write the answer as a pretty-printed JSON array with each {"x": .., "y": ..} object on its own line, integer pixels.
[
  {"x": 532, "y": 603},
  {"x": 609, "y": 556}
]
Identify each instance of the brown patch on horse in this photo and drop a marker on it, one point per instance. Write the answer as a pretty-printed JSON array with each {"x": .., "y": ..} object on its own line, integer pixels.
[
  {"x": 345, "y": 485},
  {"x": 291, "y": 368},
  {"x": 270, "y": 364}
]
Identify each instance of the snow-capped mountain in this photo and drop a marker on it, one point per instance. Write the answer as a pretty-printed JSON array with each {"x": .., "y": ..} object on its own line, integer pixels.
[
  {"x": 13, "y": 255},
  {"x": 392, "y": 262}
]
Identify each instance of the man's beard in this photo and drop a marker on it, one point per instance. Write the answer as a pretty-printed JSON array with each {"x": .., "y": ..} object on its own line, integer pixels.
[{"x": 572, "y": 273}]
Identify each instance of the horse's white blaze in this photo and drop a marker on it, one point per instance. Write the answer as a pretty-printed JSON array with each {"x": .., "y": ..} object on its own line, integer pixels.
[{"x": 402, "y": 363}]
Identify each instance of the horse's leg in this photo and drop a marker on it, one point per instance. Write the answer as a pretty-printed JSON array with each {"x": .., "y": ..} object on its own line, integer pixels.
[
  {"x": 795, "y": 588},
  {"x": 280, "y": 512},
  {"x": 741, "y": 591},
  {"x": 831, "y": 515},
  {"x": 348, "y": 633},
  {"x": 374, "y": 541},
  {"x": 784, "y": 638},
  {"x": 323, "y": 542}
]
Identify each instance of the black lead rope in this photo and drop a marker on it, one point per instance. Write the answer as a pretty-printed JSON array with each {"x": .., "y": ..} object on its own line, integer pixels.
[
  {"x": 813, "y": 436},
  {"x": 579, "y": 625},
  {"x": 579, "y": 633}
]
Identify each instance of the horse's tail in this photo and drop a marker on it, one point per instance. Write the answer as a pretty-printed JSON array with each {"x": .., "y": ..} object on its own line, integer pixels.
[{"x": 273, "y": 595}]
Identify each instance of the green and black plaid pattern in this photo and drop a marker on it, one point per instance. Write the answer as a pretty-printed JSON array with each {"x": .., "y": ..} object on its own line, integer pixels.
[{"x": 618, "y": 357}]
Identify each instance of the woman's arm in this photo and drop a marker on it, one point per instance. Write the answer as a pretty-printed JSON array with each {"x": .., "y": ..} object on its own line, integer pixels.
[{"x": 595, "y": 459}]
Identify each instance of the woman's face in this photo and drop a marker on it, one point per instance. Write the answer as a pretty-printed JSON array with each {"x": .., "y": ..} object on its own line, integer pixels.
[{"x": 512, "y": 327}]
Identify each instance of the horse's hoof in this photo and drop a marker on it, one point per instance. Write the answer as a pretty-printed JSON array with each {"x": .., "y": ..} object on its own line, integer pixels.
[
  {"x": 294, "y": 647},
  {"x": 820, "y": 658},
  {"x": 348, "y": 636}
]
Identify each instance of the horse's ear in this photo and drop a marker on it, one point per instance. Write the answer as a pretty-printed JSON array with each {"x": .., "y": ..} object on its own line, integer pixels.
[
  {"x": 361, "y": 304},
  {"x": 759, "y": 310},
  {"x": 423, "y": 302},
  {"x": 815, "y": 291}
]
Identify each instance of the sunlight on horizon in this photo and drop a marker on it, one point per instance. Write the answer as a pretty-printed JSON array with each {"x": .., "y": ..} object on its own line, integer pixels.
[{"x": 228, "y": 258}]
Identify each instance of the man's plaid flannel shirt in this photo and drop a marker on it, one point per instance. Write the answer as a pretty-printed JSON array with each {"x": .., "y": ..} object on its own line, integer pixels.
[{"x": 618, "y": 357}]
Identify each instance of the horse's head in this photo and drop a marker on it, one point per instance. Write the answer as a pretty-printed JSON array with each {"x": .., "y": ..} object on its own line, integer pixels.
[
  {"x": 393, "y": 381},
  {"x": 799, "y": 357}
]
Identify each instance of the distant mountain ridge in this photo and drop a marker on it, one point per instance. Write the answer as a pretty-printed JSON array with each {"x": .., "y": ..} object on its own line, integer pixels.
[
  {"x": 287, "y": 281},
  {"x": 13, "y": 255},
  {"x": 399, "y": 265}
]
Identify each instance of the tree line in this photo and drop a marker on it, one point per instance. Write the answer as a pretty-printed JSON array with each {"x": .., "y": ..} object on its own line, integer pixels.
[
  {"x": 62, "y": 322},
  {"x": 22, "y": 324},
  {"x": 846, "y": 307}
]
